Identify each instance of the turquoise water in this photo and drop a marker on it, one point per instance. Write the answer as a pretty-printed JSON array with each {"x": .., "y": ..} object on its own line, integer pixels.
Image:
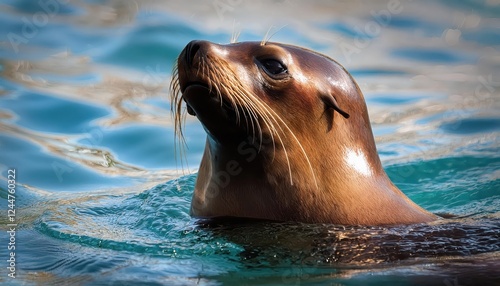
[{"x": 101, "y": 198}]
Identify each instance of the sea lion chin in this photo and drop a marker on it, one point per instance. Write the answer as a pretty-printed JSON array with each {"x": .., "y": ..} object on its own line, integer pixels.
[{"x": 288, "y": 138}]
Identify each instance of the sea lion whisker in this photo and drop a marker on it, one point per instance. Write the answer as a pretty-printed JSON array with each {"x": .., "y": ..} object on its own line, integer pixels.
[
  {"x": 245, "y": 111},
  {"x": 227, "y": 78},
  {"x": 205, "y": 74},
  {"x": 213, "y": 86},
  {"x": 256, "y": 111},
  {"x": 286, "y": 156},
  {"x": 268, "y": 37},
  {"x": 267, "y": 117},
  {"x": 302, "y": 150},
  {"x": 200, "y": 67},
  {"x": 176, "y": 108},
  {"x": 274, "y": 116},
  {"x": 268, "y": 123},
  {"x": 255, "y": 124},
  {"x": 246, "y": 104},
  {"x": 236, "y": 34},
  {"x": 232, "y": 100},
  {"x": 270, "y": 117},
  {"x": 220, "y": 74},
  {"x": 212, "y": 74},
  {"x": 240, "y": 106}
]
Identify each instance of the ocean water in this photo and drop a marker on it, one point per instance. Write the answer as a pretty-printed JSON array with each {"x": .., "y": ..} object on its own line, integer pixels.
[{"x": 100, "y": 196}]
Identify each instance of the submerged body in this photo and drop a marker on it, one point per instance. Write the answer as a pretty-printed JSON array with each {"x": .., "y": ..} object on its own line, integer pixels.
[{"x": 288, "y": 138}]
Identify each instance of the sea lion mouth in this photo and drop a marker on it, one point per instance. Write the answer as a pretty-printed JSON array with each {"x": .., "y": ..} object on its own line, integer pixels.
[
  {"x": 195, "y": 93},
  {"x": 194, "y": 89},
  {"x": 191, "y": 84}
]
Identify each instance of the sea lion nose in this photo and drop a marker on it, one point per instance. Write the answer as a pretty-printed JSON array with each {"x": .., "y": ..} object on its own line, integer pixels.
[{"x": 190, "y": 51}]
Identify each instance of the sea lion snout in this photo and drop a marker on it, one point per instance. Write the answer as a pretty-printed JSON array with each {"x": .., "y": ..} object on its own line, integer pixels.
[
  {"x": 195, "y": 51},
  {"x": 190, "y": 51}
]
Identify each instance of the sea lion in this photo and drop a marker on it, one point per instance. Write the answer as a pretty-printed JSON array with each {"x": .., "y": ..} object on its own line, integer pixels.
[{"x": 288, "y": 138}]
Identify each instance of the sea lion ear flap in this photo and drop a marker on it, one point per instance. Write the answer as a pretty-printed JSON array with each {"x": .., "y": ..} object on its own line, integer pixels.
[{"x": 330, "y": 102}]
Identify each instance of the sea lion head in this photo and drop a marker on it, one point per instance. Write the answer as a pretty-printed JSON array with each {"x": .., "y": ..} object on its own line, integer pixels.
[
  {"x": 265, "y": 90},
  {"x": 304, "y": 114}
]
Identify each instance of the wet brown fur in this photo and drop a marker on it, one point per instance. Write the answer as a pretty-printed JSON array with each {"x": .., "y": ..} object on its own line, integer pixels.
[{"x": 301, "y": 143}]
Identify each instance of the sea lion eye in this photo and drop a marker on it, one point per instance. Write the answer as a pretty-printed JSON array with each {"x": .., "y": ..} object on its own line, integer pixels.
[{"x": 273, "y": 67}]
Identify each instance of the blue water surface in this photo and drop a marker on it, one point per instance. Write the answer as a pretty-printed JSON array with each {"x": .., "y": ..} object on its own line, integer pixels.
[{"x": 103, "y": 189}]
